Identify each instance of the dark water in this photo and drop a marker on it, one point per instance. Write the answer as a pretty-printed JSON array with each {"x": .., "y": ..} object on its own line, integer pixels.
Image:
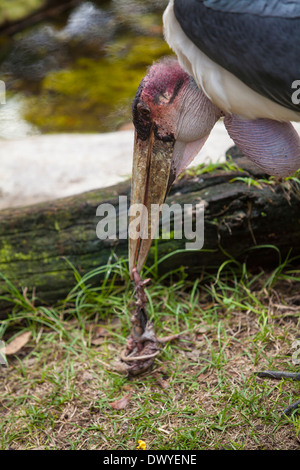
[{"x": 79, "y": 71}]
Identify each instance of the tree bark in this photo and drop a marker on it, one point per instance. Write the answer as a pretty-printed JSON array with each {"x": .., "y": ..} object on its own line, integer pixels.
[{"x": 35, "y": 241}]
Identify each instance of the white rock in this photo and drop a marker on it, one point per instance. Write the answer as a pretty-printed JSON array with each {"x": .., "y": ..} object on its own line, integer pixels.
[{"x": 43, "y": 167}]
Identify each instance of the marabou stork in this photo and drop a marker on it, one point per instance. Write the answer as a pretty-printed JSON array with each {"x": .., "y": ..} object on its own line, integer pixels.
[{"x": 237, "y": 59}]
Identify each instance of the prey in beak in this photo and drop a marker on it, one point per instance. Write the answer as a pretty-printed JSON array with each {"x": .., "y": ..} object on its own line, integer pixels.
[{"x": 172, "y": 119}]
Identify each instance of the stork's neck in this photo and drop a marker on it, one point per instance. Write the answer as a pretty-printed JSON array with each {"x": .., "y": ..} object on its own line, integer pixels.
[{"x": 198, "y": 114}]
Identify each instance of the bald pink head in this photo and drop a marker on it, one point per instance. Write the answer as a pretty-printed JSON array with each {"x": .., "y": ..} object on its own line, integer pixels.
[
  {"x": 169, "y": 101},
  {"x": 157, "y": 100},
  {"x": 165, "y": 78}
]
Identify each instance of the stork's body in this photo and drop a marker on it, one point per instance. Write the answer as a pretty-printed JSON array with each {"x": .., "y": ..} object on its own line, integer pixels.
[
  {"x": 238, "y": 59},
  {"x": 244, "y": 57},
  {"x": 243, "y": 54}
]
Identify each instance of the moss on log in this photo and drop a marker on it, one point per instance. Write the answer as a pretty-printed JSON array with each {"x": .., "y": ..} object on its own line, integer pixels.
[{"x": 242, "y": 211}]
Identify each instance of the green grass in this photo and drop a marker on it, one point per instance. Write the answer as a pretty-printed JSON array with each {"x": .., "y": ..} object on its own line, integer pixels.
[
  {"x": 201, "y": 394},
  {"x": 210, "y": 167},
  {"x": 289, "y": 184}
]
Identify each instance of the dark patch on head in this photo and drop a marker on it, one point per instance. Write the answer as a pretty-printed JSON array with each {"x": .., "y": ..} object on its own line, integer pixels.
[
  {"x": 160, "y": 91},
  {"x": 176, "y": 90},
  {"x": 164, "y": 138},
  {"x": 142, "y": 122},
  {"x": 163, "y": 78}
]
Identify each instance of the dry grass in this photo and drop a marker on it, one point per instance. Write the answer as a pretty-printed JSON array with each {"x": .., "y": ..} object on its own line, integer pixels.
[{"x": 202, "y": 393}]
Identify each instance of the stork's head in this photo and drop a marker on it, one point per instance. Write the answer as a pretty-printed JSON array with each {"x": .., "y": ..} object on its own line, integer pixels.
[{"x": 172, "y": 119}]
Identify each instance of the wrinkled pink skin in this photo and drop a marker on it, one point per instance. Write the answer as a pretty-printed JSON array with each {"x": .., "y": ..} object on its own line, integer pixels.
[
  {"x": 177, "y": 106},
  {"x": 274, "y": 146},
  {"x": 179, "y": 109}
]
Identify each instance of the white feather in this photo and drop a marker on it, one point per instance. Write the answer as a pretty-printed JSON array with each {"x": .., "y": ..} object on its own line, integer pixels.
[{"x": 225, "y": 90}]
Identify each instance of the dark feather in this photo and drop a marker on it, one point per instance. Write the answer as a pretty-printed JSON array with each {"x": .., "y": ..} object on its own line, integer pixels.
[
  {"x": 262, "y": 51},
  {"x": 280, "y": 8}
]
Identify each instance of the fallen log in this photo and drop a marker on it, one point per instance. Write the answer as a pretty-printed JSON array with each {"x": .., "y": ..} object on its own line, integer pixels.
[{"x": 242, "y": 211}]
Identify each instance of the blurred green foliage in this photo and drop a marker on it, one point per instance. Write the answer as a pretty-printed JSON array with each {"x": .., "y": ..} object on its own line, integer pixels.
[
  {"x": 79, "y": 71},
  {"x": 95, "y": 95},
  {"x": 12, "y": 10}
]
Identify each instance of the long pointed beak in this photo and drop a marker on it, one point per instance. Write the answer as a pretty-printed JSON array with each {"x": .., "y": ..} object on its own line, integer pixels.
[{"x": 152, "y": 176}]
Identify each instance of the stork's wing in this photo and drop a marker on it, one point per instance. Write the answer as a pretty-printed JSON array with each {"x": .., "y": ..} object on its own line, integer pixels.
[
  {"x": 262, "y": 51},
  {"x": 279, "y": 8}
]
